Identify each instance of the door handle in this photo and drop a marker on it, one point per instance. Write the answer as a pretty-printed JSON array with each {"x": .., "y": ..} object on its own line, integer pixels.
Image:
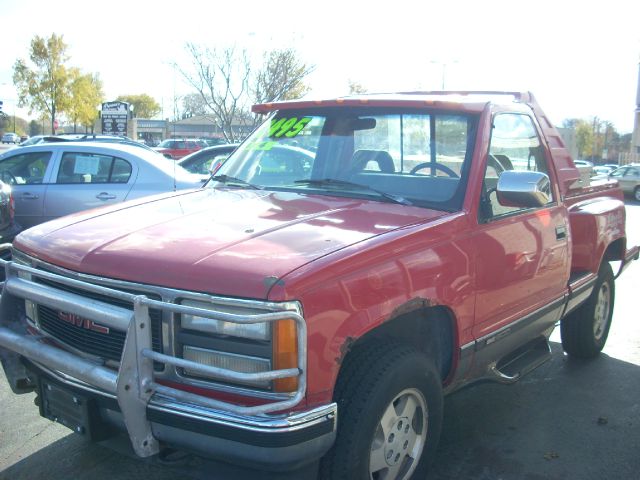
[
  {"x": 561, "y": 232},
  {"x": 29, "y": 196},
  {"x": 105, "y": 196}
]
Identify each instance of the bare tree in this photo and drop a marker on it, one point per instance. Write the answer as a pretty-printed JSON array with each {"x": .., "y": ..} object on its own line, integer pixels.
[
  {"x": 281, "y": 77},
  {"x": 227, "y": 85},
  {"x": 221, "y": 77},
  {"x": 193, "y": 105},
  {"x": 356, "y": 88}
]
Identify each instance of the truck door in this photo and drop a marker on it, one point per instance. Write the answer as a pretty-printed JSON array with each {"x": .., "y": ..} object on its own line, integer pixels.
[{"x": 523, "y": 257}]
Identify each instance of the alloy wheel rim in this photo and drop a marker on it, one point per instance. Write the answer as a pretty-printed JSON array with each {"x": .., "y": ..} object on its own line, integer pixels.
[
  {"x": 400, "y": 437},
  {"x": 601, "y": 316}
]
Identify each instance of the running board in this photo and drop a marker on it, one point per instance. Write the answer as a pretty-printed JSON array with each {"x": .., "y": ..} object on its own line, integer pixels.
[{"x": 518, "y": 363}]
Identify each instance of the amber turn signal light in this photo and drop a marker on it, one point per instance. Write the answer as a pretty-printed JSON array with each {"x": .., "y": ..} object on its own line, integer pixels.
[{"x": 285, "y": 354}]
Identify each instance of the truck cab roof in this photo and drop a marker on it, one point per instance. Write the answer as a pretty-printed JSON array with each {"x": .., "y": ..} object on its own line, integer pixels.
[{"x": 470, "y": 101}]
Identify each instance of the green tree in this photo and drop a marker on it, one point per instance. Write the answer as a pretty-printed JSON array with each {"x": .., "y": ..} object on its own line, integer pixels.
[
  {"x": 570, "y": 122},
  {"x": 5, "y": 123},
  {"x": 144, "y": 106},
  {"x": 45, "y": 88},
  {"x": 34, "y": 128},
  {"x": 86, "y": 91},
  {"x": 624, "y": 142},
  {"x": 584, "y": 138},
  {"x": 12, "y": 123}
]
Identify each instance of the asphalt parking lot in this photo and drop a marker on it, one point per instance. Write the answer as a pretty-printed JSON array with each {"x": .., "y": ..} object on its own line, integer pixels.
[{"x": 567, "y": 420}]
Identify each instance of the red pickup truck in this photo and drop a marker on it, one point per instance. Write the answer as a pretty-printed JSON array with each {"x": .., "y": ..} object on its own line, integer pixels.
[{"x": 352, "y": 262}]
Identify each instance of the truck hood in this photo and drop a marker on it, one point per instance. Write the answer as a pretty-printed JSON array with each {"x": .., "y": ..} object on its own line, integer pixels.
[{"x": 224, "y": 241}]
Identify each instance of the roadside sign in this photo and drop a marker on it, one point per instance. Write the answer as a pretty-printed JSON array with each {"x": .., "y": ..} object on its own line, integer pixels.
[{"x": 114, "y": 118}]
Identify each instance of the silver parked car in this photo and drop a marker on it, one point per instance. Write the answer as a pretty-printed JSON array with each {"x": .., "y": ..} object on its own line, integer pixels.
[
  {"x": 50, "y": 180},
  {"x": 10, "y": 138},
  {"x": 628, "y": 177}
]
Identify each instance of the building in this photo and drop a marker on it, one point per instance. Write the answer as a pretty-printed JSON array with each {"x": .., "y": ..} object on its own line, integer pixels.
[
  {"x": 201, "y": 126},
  {"x": 568, "y": 136}
]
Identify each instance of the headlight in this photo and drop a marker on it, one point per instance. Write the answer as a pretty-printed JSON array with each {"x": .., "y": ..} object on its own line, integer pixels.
[
  {"x": 240, "y": 347},
  {"x": 31, "y": 309},
  {"x": 255, "y": 331},
  {"x": 229, "y": 361}
]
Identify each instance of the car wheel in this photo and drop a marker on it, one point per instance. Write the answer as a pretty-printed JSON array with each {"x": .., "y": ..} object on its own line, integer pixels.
[
  {"x": 636, "y": 193},
  {"x": 584, "y": 331},
  {"x": 390, "y": 415}
]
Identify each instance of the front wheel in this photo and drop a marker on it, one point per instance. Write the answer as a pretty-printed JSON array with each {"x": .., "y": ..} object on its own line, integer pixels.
[
  {"x": 585, "y": 330},
  {"x": 390, "y": 415},
  {"x": 636, "y": 193}
]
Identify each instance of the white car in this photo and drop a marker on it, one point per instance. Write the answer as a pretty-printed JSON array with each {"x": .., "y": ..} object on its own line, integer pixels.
[
  {"x": 50, "y": 180},
  {"x": 10, "y": 138}
]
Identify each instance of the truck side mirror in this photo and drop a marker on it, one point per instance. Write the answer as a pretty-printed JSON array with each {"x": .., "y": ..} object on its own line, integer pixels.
[{"x": 523, "y": 189}]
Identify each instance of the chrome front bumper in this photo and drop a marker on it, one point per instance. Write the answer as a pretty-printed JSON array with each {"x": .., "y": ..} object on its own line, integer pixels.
[
  {"x": 273, "y": 442},
  {"x": 152, "y": 412}
]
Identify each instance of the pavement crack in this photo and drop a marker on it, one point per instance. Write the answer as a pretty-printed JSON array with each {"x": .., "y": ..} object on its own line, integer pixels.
[{"x": 23, "y": 444}]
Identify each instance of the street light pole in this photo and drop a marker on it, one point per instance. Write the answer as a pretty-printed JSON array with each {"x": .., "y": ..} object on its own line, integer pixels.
[{"x": 444, "y": 69}]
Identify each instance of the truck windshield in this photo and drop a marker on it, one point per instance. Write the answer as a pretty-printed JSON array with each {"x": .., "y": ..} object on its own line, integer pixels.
[{"x": 419, "y": 158}]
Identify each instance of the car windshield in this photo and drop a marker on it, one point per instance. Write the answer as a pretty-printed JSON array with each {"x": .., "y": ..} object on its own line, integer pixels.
[
  {"x": 419, "y": 158},
  {"x": 32, "y": 141},
  {"x": 166, "y": 144}
]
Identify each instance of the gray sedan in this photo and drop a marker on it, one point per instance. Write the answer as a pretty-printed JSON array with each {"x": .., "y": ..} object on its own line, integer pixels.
[
  {"x": 628, "y": 177},
  {"x": 50, "y": 180}
]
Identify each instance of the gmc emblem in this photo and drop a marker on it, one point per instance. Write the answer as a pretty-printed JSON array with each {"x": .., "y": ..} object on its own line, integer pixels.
[{"x": 82, "y": 322}]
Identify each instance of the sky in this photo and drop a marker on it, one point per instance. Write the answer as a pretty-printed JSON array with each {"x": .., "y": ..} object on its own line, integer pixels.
[{"x": 580, "y": 59}]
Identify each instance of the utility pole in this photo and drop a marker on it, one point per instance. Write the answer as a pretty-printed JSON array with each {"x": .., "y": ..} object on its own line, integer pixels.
[{"x": 595, "y": 133}]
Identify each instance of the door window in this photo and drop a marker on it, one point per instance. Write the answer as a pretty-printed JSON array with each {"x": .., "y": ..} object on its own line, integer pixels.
[
  {"x": 619, "y": 172},
  {"x": 25, "y": 169},
  {"x": 205, "y": 167},
  {"x": 515, "y": 145},
  {"x": 120, "y": 172},
  {"x": 93, "y": 168}
]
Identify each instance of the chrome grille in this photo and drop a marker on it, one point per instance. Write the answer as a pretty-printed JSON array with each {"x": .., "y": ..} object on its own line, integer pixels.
[{"x": 106, "y": 345}]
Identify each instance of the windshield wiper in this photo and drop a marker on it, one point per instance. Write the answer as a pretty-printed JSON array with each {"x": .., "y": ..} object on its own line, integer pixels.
[
  {"x": 227, "y": 180},
  {"x": 328, "y": 182}
]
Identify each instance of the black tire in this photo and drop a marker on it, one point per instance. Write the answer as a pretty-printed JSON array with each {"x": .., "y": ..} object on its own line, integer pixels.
[
  {"x": 636, "y": 193},
  {"x": 392, "y": 379},
  {"x": 584, "y": 331}
]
